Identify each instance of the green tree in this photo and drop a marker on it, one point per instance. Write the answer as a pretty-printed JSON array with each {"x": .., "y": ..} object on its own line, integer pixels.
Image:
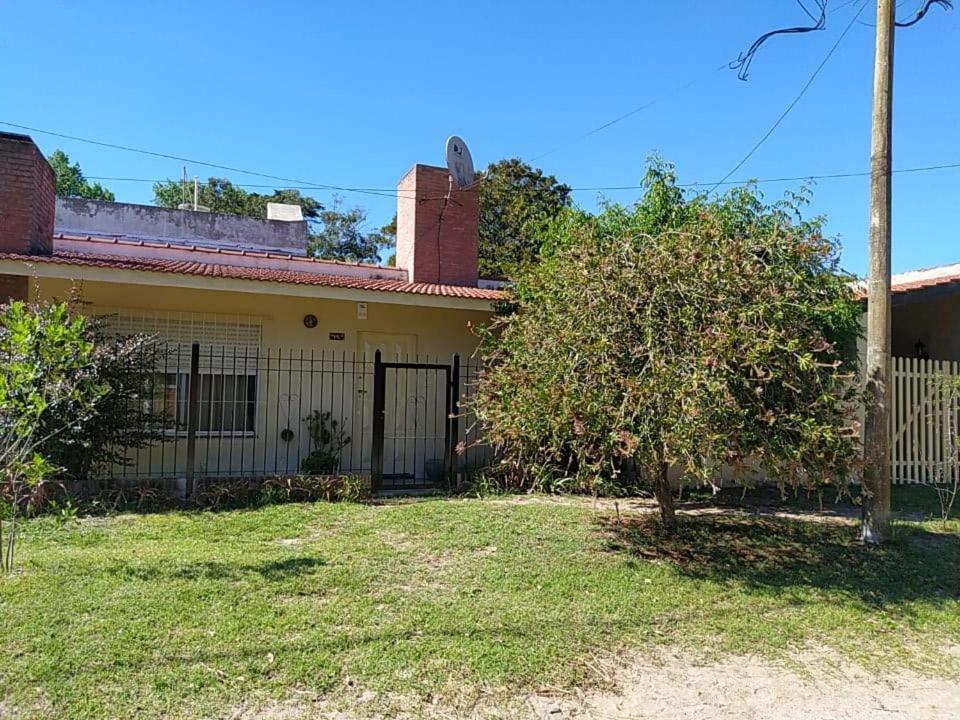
[
  {"x": 222, "y": 196},
  {"x": 679, "y": 333},
  {"x": 517, "y": 203},
  {"x": 71, "y": 182},
  {"x": 389, "y": 231},
  {"x": 340, "y": 235},
  {"x": 46, "y": 369}
]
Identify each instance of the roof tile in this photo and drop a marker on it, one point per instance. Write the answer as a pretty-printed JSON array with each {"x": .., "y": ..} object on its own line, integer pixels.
[{"x": 234, "y": 272}]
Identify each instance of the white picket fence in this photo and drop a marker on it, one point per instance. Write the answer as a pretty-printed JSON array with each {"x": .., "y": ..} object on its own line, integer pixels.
[{"x": 926, "y": 421}]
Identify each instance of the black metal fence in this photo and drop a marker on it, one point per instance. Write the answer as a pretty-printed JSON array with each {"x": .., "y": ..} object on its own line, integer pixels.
[{"x": 232, "y": 412}]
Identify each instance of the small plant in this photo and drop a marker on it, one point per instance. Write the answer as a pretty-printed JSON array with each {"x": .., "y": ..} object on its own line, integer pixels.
[
  {"x": 327, "y": 441},
  {"x": 63, "y": 513},
  {"x": 312, "y": 488},
  {"x": 240, "y": 492},
  {"x": 947, "y": 495},
  {"x": 945, "y": 481}
]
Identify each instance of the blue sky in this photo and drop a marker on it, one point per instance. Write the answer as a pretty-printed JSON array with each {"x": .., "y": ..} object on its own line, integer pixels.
[{"x": 353, "y": 93}]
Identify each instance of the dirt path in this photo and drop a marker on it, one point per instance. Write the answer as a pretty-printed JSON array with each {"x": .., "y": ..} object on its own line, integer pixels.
[
  {"x": 675, "y": 687},
  {"x": 747, "y": 688}
]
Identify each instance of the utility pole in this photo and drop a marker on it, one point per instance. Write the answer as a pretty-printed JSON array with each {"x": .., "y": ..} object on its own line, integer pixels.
[
  {"x": 877, "y": 371},
  {"x": 876, "y": 439}
]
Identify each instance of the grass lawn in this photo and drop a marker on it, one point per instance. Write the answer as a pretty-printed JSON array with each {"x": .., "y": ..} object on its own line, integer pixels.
[{"x": 194, "y": 614}]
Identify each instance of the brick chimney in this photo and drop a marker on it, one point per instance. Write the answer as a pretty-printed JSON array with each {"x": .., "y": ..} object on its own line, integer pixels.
[
  {"x": 27, "y": 197},
  {"x": 436, "y": 234}
]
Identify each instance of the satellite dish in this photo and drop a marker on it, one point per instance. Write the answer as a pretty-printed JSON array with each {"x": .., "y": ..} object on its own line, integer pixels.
[{"x": 459, "y": 162}]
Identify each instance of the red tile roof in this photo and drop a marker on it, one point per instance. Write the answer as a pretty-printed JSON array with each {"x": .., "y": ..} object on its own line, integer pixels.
[
  {"x": 913, "y": 280},
  {"x": 292, "y": 277},
  {"x": 921, "y": 284},
  {"x": 158, "y": 244}
]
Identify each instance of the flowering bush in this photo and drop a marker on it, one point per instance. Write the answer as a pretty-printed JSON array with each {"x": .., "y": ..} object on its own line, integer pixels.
[{"x": 680, "y": 333}]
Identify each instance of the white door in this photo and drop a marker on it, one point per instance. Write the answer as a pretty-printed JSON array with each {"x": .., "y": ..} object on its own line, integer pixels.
[
  {"x": 394, "y": 347},
  {"x": 403, "y": 406}
]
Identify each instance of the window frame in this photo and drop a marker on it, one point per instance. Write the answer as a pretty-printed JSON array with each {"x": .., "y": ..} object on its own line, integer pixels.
[{"x": 246, "y": 407}]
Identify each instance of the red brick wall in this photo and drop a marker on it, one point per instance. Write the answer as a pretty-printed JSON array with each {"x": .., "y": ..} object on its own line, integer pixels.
[
  {"x": 27, "y": 197},
  {"x": 437, "y": 238}
]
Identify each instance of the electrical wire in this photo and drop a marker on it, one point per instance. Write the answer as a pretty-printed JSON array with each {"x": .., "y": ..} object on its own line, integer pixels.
[
  {"x": 624, "y": 116},
  {"x": 167, "y": 156},
  {"x": 745, "y": 59},
  {"x": 945, "y": 4},
  {"x": 795, "y": 178},
  {"x": 796, "y": 100},
  {"x": 743, "y": 62},
  {"x": 760, "y": 181}
]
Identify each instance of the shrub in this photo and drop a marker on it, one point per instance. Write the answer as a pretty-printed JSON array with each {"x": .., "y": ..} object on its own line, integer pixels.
[
  {"x": 123, "y": 417},
  {"x": 48, "y": 388},
  {"x": 327, "y": 441},
  {"x": 680, "y": 333},
  {"x": 232, "y": 493}
]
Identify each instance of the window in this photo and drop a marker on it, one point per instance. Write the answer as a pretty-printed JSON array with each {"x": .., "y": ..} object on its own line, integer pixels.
[
  {"x": 227, "y": 402},
  {"x": 229, "y": 358}
]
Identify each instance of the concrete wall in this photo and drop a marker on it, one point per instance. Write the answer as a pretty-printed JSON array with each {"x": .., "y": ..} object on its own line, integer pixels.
[
  {"x": 935, "y": 321},
  {"x": 92, "y": 217}
]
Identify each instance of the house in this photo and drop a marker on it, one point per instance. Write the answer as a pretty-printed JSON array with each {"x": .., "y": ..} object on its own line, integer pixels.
[
  {"x": 925, "y": 406},
  {"x": 281, "y": 337},
  {"x": 926, "y": 313},
  {"x": 286, "y": 343}
]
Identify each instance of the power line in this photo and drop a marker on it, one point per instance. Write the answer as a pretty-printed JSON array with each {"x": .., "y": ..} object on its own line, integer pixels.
[
  {"x": 168, "y": 156},
  {"x": 796, "y": 100},
  {"x": 745, "y": 59},
  {"x": 760, "y": 181},
  {"x": 624, "y": 116},
  {"x": 266, "y": 186},
  {"x": 921, "y": 13},
  {"x": 796, "y": 178}
]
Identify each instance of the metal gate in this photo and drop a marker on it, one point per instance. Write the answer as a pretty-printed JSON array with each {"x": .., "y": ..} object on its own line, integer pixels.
[{"x": 415, "y": 424}]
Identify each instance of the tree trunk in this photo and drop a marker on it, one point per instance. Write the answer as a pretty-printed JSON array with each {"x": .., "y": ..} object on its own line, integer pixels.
[
  {"x": 661, "y": 487},
  {"x": 876, "y": 440}
]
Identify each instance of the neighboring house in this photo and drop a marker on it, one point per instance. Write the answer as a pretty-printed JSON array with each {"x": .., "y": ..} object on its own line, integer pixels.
[
  {"x": 926, "y": 313},
  {"x": 281, "y": 335},
  {"x": 925, "y": 411}
]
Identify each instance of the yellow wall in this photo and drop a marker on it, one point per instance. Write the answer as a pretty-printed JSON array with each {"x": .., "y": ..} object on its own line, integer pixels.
[
  {"x": 285, "y": 398},
  {"x": 440, "y": 331}
]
